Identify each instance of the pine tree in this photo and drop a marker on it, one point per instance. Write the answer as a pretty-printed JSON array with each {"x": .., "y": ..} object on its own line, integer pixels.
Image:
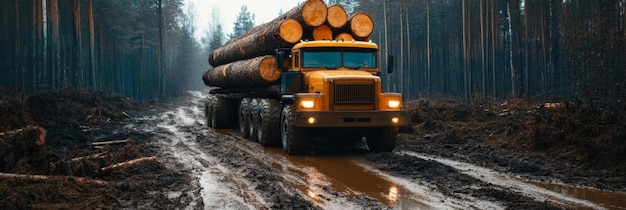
[{"x": 244, "y": 22}]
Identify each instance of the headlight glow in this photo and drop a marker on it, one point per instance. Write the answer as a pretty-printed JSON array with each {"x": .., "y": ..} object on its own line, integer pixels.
[
  {"x": 393, "y": 103},
  {"x": 307, "y": 104}
]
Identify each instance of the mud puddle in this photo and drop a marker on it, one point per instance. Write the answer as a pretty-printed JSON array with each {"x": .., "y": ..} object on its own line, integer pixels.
[
  {"x": 346, "y": 176},
  {"x": 608, "y": 199}
]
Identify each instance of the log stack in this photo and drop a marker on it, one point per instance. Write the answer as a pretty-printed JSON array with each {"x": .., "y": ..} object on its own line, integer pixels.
[{"x": 248, "y": 59}]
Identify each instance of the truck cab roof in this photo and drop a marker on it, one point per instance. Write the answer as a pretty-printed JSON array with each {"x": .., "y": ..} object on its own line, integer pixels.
[{"x": 335, "y": 43}]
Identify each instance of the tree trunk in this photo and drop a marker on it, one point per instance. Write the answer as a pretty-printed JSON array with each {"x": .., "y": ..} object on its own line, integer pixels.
[
  {"x": 494, "y": 40},
  {"x": 259, "y": 71},
  {"x": 127, "y": 163},
  {"x": 428, "y": 50},
  {"x": 483, "y": 64},
  {"x": 44, "y": 178},
  {"x": 37, "y": 45},
  {"x": 78, "y": 73},
  {"x": 53, "y": 23},
  {"x": 258, "y": 41},
  {"x": 337, "y": 17},
  {"x": 465, "y": 54},
  {"x": 160, "y": 48},
  {"x": 18, "y": 47},
  {"x": 92, "y": 52}
]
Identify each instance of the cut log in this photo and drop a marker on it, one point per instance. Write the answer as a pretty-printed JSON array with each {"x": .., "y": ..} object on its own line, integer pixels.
[
  {"x": 284, "y": 31},
  {"x": 44, "y": 178},
  {"x": 337, "y": 17},
  {"x": 28, "y": 137},
  {"x": 310, "y": 14},
  {"x": 128, "y": 163},
  {"x": 360, "y": 26},
  {"x": 258, "y": 41},
  {"x": 344, "y": 36},
  {"x": 322, "y": 32},
  {"x": 259, "y": 71},
  {"x": 111, "y": 142},
  {"x": 90, "y": 157}
]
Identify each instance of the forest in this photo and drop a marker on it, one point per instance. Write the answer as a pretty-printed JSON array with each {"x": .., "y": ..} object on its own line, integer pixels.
[
  {"x": 442, "y": 49},
  {"x": 141, "y": 49}
]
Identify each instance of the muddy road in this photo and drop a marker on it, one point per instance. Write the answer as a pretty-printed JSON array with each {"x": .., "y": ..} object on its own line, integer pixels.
[{"x": 230, "y": 172}]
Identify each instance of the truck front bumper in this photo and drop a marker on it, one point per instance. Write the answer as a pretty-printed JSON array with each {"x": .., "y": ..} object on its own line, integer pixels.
[{"x": 373, "y": 118}]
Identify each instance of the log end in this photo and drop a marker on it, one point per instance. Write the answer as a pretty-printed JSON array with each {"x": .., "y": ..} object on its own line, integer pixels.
[
  {"x": 314, "y": 13},
  {"x": 290, "y": 31},
  {"x": 361, "y": 25},
  {"x": 322, "y": 32},
  {"x": 213, "y": 55},
  {"x": 41, "y": 139},
  {"x": 344, "y": 37},
  {"x": 337, "y": 16},
  {"x": 206, "y": 76},
  {"x": 268, "y": 70}
]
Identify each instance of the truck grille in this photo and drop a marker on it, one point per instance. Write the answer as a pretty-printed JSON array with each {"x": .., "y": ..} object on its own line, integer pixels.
[{"x": 353, "y": 95}]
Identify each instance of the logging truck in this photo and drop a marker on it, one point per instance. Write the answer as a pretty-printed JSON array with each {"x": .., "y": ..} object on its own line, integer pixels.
[
  {"x": 328, "y": 88},
  {"x": 280, "y": 89}
]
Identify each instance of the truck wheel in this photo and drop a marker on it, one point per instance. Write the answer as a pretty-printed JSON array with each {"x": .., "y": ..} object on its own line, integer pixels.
[
  {"x": 384, "y": 140},
  {"x": 244, "y": 117},
  {"x": 220, "y": 113},
  {"x": 253, "y": 125},
  {"x": 294, "y": 139},
  {"x": 208, "y": 114},
  {"x": 268, "y": 128}
]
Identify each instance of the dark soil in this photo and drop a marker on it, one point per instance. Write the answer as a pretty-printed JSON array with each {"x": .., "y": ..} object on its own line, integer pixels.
[
  {"x": 73, "y": 120},
  {"x": 579, "y": 144}
]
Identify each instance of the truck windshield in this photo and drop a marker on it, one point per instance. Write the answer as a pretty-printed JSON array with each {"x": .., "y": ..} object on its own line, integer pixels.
[
  {"x": 323, "y": 59},
  {"x": 332, "y": 59},
  {"x": 359, "y": 59}
]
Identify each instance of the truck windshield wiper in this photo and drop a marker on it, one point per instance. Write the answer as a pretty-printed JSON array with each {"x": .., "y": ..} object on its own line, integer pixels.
[{"x": 329, "y": 67}]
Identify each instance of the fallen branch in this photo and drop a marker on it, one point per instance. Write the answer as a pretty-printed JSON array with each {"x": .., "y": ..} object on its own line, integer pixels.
[
  {"x": 44, "y": 178},
  {"x": 128, "y": 163},
  {"x": 90, "y": 157},
  {"x": 102, "y": 143}
]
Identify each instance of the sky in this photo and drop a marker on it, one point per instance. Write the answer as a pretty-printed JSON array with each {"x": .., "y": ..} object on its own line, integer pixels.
[{"x": 263, "y": 10}]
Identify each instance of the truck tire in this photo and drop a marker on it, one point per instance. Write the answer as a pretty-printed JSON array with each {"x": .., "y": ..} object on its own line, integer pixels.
[
  {"x": 294, "y": 139},
  {"x": 244, "y": 117},
  {"x": 208, "y": 112},
  {"x": 268, "y": 122},
  {"x": 384, "y": 140},
  {"x": 220, "y": 113},
  {"x": 253, "y": 125}
]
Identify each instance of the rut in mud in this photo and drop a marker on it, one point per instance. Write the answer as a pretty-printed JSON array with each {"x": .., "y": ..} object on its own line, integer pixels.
[{"x": 452, "y": 162}]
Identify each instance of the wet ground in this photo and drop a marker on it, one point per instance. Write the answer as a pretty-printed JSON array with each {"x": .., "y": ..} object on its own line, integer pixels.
[{"x": 203, "y": 168}]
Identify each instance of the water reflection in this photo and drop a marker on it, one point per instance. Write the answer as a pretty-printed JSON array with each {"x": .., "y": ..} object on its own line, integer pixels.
[
  {"x": 608, "y": 199},
  {"x": 344, "y": 176}
]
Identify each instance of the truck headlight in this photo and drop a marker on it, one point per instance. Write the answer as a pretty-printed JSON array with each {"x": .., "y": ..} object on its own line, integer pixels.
[
  {"x": 307, "y": 103},
  {"x": 393, "y": 104}
]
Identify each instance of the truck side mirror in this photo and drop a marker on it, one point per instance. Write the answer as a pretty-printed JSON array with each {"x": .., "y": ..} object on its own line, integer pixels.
[
  {"x": 280, "y": 59},
  {"x": 283, "y": 56},
  {"x": 389, "y": 63}
]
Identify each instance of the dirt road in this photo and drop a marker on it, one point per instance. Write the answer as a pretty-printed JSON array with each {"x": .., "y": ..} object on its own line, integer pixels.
[
  {"x": 234, "y": 173},
  {"x": 445, "y": 165}
]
